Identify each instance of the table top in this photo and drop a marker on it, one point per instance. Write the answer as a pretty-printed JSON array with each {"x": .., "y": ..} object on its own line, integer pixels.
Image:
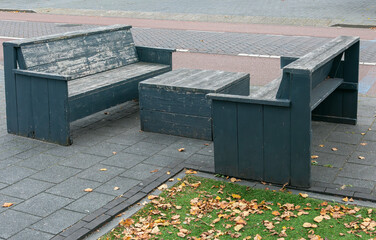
[{"x": 195, "y": 80}]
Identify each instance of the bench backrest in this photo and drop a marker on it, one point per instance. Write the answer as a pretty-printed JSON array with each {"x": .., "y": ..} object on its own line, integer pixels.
[
  {"x": 317, "y": 66},
  {"x": 79, "y": 53}
]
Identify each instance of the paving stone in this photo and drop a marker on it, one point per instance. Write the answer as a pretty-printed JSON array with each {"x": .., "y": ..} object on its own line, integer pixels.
[
  {"x": 13, "y": 222},
  {"x": 370, "y": 158},
  {"x": 323, "y": 174},
  {"x": 343, "y": 149},
  {"x": 31, "y": 153},
  {"x": 93, "y": 173},
  {"x": 82, "y": 161},
  {"x": 90, "y": 202},
  {"x": 124, "y": 160},
  {"x": 9, "y": 199},
  {"x": 140, "y": 171},
  {"x": 207, "y": 150},
  {"x": 79, "y": 234},
  {"x": 14, "y": 174},
  {"x": 358, "y": 171},
  {"x": 370, "y": 147},
  {"x": 26, "y": 188},
  {"x": 7, "y": 153},
  {"x": 56, "y": 174},
  {"x": 42, "y": 204},
  {"x": 99, "y": 221},
  {"x": 58, "y": 221},
  {"x": 351, "y": 128},
  {"x": 343, "y": 137},
  {"x": 145, "y": 148},
  {"x": 9, "y": 162},
  {"x": 163, "y": 161},
  {"x": 40, "y": 162},
  {"x": 189, "y": 149},
  {"x": 200, "y": 160},
  {"x": 339, "y": 192},
  {"x": 70, "y": 230},
  {"x": 365, "y": 196},
  {"x": 105, "y": 149},
  {"x": 123, "y": 183},
  {"x": 367, "y": 121},
  {"x": 370, "y": 136},
  {"x": 31, "y": 234},
  {"x": 63, "y": 151},
  {"x": 73, "y": 187},
  {"x": 367, "y": 184},
  {"x": 128, "y": 138},
  {"x": 92, "y": 216},
  {"x": 163, "y": 139},
  {"x": 3, "y": 185}
]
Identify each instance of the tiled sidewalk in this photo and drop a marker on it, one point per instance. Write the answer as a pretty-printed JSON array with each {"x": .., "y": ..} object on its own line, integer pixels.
[{"x": 46, "y": 182}]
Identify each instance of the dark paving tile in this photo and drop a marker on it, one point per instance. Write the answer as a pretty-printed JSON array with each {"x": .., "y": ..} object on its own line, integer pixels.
[
  {"x": 158, "y": 138},
  {"x": 26, "y": 188},
  {"x": 145, "y": 148},
  {"x": 9, "y": 162},
  {"x": 3, "y": 185},
  {"x": 123, "y": 183},
  {"x": 9, "y": 199},
  {"x": 129, "y": 137},
  {"x": 343, "y": 137},
  {"x": 63, "y": 151},
  {"x": 43, "y": 204},
  {"x": 40, "y": 161},
  {"x": 163, "y": 161},
  {"x": 351, "y": 128},
  {"x": 90, "y": 202},
  {"x": 14, "y": 174},
  {"x": 13, "y": 222},
  {"x": 31, "y": 234},
  {"x": 56, "y": 174},
  {"x": 58, "y": 221},
  {"x": 190, "y": 147},
  {"x": 366, "y": 121},
  {"x": 355, "y": 182},
  {"x": 201, "y": 160},
  {"x": 323, "y": 174},
  {"x": 73, "y": 187},
  {"x": 370, "y": 158},
  {"x": 207, "y": 150},
  {"x": 370, "y": 147},
  {"x": 334, "y": 160},
  {"x": 342, "y": 149},
  {"x": 93, "y": 173},
  {"x": 82, "y": 161},
  {"x": 358, "y": 171},
  {"x": 124, "y": 160},
  {"x": 370, "y": 136},
  {"x": 140, "y": 171},
  {"x": 105, "y": 149}
]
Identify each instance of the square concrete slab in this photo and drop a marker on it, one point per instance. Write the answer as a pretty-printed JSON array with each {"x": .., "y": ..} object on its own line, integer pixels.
[
  {"x": 90, "y": 202},
  {"x": 128, "y": 138},
  {"x": 145, "y": 148},
  {"x": 105, "y": 149},
  {"x": 124, "y": 160},
  {"x": 95, "y": 174},
  {"x": 369, "y": 158},
  {"x": 355, "y": 182},
  {"x": 13, "y": 222},
  {"x": 140, "y": 171},
  {"x": 43, "y": 204},
  {"x": 14, "y": 174},
  {"x": 123, "y": 183},
  {"x": 9, "y": 199},
  {"x": 343, "y": 137},
  {"x": 163, "y": 161},
  {"x": 40, "y": 162},
  {"x": 358, "y": 171},
  {"x": 82, "y": 161},
  {"x": 56, "y": 174},
  {"x": 26, "y": 188},
  {"x": 73, "y": 187},
  {"x": 31, "y": 234}
]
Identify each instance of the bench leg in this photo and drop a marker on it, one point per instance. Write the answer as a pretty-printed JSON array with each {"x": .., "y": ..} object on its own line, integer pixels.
[
  {"x": 342, "y": 105},
  {"x": 42, "y": 109}
]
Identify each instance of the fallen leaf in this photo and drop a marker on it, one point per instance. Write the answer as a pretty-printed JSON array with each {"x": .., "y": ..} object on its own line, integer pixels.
[
  {"x": 318, "y": 219},
  {"x": 363, "y": 134},
  {"x": 168, "y": 172},
  {"x": 314, "y": 162},
  {"x": 126, "y": 222},
  {"x": 321, "y": 145},
  {"x": 234, "y": 180},
  {"x": 238, "y": 227},
  {"x": 257, "y": 237},
  {"x": 103, "y": 169},
  {"x": 7, "y": 204},
  {"x": 363, "y": 144},
  {"x": 178, "y": 207},
  {"x": 361, "y": 157},
  {"x": 190, "y": 171},
  {"x": 106, "y": 113},
  {"x": 179, "y": 179},
  {"x": 334, "y": 149},
  {"x": 163, "y": 187},
  {"x": 314, "y": 157},
  {"x": 346, "y": 199},
  {"x": 236, "y": 196},
  {"x": 155, "y": 230},
  {"x": 153, "y": 171},
  {"x": 116, "y": 188},
  {"x": 351, "y": 200},
  {"x": 181, "y": 149},
  {"x": 276, "y": 213},
  {"x": 88, "y": 190},
  {"x": 303, "y": 195},
  {"x": 341, "y": 234},
  {"x": 114, "y": 153},
  {"x": 171, "y": 180}
]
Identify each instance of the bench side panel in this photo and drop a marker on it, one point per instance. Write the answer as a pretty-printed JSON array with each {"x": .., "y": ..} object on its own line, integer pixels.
[{"x": 81, "y": 55}]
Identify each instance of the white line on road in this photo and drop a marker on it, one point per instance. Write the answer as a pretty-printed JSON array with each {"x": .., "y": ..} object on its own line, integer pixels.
[{"x": 15, "y": 38}]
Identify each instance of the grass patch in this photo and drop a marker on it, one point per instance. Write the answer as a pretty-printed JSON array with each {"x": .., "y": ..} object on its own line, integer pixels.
[{"x": 200, "y": 208}]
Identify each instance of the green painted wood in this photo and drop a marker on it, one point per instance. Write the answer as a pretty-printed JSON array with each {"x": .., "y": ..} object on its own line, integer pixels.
[
  {"x": 40, "y": 108},
  {"x": 323, "y": 90},
  {"x": 250, "y": 130},
  {"x": 225, "y": 134},
  {"x": 155, "y": 55},
  {"x": 24, "y": 106},
  {"x": 286, "y": 60},
  {"x": 10, "y": 55}
]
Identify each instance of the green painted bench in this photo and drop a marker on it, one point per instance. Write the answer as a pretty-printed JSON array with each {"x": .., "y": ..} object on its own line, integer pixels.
[
  {"x": 53, "y": 80},
  {"x": 267, "y": 135}
]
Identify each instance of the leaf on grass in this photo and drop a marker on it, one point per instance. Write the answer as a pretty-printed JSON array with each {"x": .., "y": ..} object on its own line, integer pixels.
[
  {"x": 276, "y": 213},
  {"x": 88, "y": 190},
  {"x": 126, "y": 222},
  {"x": 103, "y": 169},
  {"x": 175, "y": 217},
  {"x": 181, "y": 149},
  {"x": 7, "y": 204},
  {"x": 314, "y": 157},
  {"x": 303, "y": 195},
  {"x": 257, "y": 237},
  {"x": 309, "y": 225},
  {"x": 238, "y": 227},
  {"x": 190, "y": 171},
  {"x": 155, "y": 230},
  {"x": 216, "y": 220},
  {"x": 362, "y": 134},
  {"x": 151, "y": 197},
  {"x": 163, "y": 187},
  {"x": 153, "y": 171},
  {"x": 318, "y": 219},
  {"x": 236, "y": 196},
  {"x": 321, "y": 145},
  {"x": 313, "y": 162},
  {"x": 178, "y": 207},
  {"x": 218, "y": 198}
]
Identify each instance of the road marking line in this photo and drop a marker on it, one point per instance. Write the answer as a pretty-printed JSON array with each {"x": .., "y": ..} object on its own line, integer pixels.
[
  {"x": 15, "y": 38},
  {"x": 182, "y": 50}
]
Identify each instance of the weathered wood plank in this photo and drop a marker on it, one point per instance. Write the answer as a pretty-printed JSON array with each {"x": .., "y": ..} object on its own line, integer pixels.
[
  {"x": 323, "y": 90},
  {"x": 24, "y": 106},
  {"x": 40, "y": 107}
]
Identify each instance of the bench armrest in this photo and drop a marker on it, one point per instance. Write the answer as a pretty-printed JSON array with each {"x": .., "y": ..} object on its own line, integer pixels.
[
  {"x": 247, "y": 99},
  {"x": 42, "y": 75},
  {"x": 155, "y": 55}
]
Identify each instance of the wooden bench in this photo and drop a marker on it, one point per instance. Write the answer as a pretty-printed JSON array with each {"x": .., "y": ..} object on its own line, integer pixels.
[
  {"x": 53, "y": 80},
  {"x": 267, "y": 135}
]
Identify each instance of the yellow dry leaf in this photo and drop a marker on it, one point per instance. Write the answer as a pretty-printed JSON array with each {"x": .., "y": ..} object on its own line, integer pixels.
[
  {"x": 179, "y": 179},
  {"x": 314, "y": 157},
  {"x": 163, "y": 187},
  {"x": 153, "y": 171},
  {"x": 257, "y": 237},
  {"x": 114, "y": 153},
  {"x": 334, "y": 149},
  {"x": 321, "y": 145},
  {"x": 238, "y": 227},
  {"x": 218, "y": 198},
  {"x": 276, "y": 213},
  {"x": 307, "y": 225},
  {"x": 103, "y": 169},
  {"x": 168, "y": 172},
  {"x": 303, "y": 195},
  {"x": 88, "y": 190},
  {"x": 7, "y": 204},
  {"x": 190, "y": 171},
  {"x": 318, "y": 219},
  {"x": 178, "y": 207},
  {"x": 234, "y": 180},
  {"x": 155, "y": 230},
  {"x": 126, "y": 222},
  {"x": 236, "y": 196},
  {"x": 351, "y": 200},
  {"x": 363, "y": 134},
  {"x": 151, "y": 197},
  {"x": 181, "y": 149},
  {"x": 346, "y": 199}
]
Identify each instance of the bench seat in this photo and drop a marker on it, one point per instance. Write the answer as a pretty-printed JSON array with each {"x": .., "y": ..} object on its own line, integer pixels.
[{"x": 112, "y": 77}]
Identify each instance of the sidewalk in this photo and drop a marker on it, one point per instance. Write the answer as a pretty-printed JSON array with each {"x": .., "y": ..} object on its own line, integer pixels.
[{"x": 46, "y": 182}]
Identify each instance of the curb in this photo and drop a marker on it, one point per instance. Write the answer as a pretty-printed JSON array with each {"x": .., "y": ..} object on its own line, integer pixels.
[{"x": 17, "y": 10}]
